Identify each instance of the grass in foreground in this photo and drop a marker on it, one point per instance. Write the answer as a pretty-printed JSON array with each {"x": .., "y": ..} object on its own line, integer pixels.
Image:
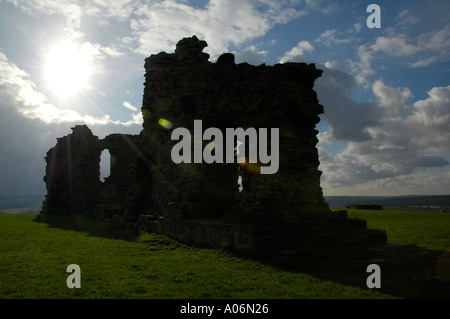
[
  {"x": 125, "y": 264},
  {"x": 427, "y": 229},
  {"x": 417, "y": 264}
]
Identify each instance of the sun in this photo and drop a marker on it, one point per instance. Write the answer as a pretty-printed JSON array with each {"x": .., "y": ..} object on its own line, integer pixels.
[{"x": 67, "y": 69}]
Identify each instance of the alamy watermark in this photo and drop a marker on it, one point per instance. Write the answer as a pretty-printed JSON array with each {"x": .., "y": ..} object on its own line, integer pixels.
[
  {"x": 220, "y": 151},
  {"x": 73, "y": 13},
  {"x": 374, "y": 280},
  {"x": 74, "y": 280},
  {"x": 373, "y": 20}
]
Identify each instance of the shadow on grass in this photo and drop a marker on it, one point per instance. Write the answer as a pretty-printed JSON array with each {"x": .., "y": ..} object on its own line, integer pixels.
[
  {"x": 95, "y": 227},
  {"x": 407, "y": 271}
]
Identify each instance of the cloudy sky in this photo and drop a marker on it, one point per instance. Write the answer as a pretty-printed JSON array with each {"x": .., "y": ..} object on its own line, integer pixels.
[{"x": 385, "y": 91}]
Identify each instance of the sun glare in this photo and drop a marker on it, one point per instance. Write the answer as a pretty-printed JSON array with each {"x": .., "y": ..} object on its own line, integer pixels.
[{"x": 67, "y": 69}]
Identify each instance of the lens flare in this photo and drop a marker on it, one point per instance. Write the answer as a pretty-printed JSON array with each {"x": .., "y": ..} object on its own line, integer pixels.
[
  {"x": 252, "y": 168},
  {"x": 128, "y": 105},
  {"x": 91, "y": 88},
  {"x": 242, "y": 161},
  {"x": 165, "y": 123}
]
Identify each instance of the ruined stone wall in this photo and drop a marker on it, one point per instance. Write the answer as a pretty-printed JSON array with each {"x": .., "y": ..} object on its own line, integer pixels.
[
  {"x": 73, "y": 173},
  {"x": 73, "y": 176},
  {"x": 185, "y": 86},
  {"x": 129, "y": 185},
  {"x": 200, "y": 203},
  {"x": 122, "y": 152},
  {"x": 178, "y": 89}
]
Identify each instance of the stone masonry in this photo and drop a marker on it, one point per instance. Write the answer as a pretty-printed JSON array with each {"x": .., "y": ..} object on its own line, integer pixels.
[{"x": 200, "y": 203}]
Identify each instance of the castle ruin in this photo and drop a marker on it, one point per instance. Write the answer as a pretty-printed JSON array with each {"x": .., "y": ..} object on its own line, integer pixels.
[{"x": 200, "y": 203}]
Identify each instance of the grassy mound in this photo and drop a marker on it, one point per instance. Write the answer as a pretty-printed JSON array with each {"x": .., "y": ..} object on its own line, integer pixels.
[{"x": 118, "y": 262}]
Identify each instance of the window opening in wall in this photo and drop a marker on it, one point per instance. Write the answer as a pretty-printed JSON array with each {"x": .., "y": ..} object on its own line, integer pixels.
[{"x": 105, "y": 165}]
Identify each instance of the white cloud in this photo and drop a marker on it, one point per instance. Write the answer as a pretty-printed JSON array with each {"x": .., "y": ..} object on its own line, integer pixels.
[
  {"x": 94, "y": 50},
  {"x": 331, "y": 8},
  {"x": 120, "y": 9},
  {"x": 279, "y": 12},
  {"x": 363, "y": 164},
  {"x": 415, "y": 51},
  {"x": 434, "y": 47},
  {"x": 221, "y": 23},
  {"x": 326, "y": 137},
  {"x": 16, "y": 86},
  {"x": 405, "y": 18},
  {"x": 363, "y": 69},
  {"x": 251, "y": 55},
  {"x": 329, "y": 38},
  {"x": 425, "y": 128},
  {"x": 428, "y": 184},
  {"x": 49, "y": 7},
  {"x": 395, "y": 46},
  {"x": 358, "y": 26},
  {"x": 391, "y": 99},
  {"x": 348, "y": 118},
  {"x": 158, "y": 25},
  {"x": 388, "y": 140},
  {"x": 423, "y": 184},
  {"x": 296, "y": 54}
]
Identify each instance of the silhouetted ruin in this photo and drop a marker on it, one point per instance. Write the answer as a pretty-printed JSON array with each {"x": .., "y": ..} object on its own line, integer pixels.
[{"x": 199, "y": 203}]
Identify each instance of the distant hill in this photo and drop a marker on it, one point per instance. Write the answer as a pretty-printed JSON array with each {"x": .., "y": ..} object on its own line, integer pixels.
[
  {"x": 21, "y": 201},
  {"x": 34, "y": 202},
  {"x": 390, "y": 202}
]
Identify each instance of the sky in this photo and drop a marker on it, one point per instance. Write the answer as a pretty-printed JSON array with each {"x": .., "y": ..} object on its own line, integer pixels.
[{"x": 385, "y": 90}]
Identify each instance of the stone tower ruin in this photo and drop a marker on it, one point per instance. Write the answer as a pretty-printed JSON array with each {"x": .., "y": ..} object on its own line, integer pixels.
[{"x": 201, "y": 203}]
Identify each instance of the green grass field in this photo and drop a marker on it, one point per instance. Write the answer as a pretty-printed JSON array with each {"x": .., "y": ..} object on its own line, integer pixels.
[
  {"x": 125, "y": 263},
  {"x": 428, "y": 229}
]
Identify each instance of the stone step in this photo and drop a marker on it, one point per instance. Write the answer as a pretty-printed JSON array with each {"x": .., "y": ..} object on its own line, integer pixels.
[{"x": 340, "y": 213}]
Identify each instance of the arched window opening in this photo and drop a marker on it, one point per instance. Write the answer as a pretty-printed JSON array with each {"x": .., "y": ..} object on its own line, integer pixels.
[{"x": 105, "y": 165}]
